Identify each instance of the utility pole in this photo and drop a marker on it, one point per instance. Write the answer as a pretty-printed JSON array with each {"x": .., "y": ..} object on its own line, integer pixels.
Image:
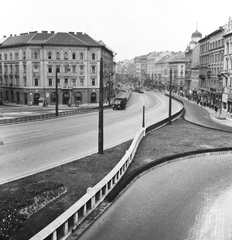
[
  {"x": 100, "y": 126},
  {"x": 56, "y": 94}
]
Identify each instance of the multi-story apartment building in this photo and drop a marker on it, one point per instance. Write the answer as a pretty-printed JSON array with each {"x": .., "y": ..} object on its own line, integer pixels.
[
  {"x": 151, "y": 60},
  {"x": 211, "y": 65},
  {"x": 141, "y": 68},
  {"x": 32, "y": 63},
  {"x": 227, "y": 69},
  {"x": 177, "y": 64},
  {"x": 192, "y": 60},
  {"x": 162, "y": 70}
]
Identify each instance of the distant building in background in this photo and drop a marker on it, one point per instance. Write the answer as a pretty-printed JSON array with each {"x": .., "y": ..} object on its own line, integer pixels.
[
  {"x": 178, "y": 71},
  {"x": 29, "y": 62},
  {"x": 192, "y": 61}
]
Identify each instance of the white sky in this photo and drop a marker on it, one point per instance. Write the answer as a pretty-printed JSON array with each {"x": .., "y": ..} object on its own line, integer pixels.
[{"x": 129, "y": 27}]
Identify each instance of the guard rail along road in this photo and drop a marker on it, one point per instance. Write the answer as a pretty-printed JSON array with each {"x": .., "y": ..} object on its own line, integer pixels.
[{"x": 63, "y": 226}]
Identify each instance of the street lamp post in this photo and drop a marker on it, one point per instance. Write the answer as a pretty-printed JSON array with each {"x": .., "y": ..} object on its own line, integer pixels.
[
  {"x": 109, "y": 89},
  {"x": 170, "y": 98},
  {"x": 56, "y": 93},
  {"x": 100, "y": 126}
]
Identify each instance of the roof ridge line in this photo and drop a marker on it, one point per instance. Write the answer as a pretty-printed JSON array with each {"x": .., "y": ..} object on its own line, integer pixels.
[
  {"x": 77, "y": 38},
  {"x": 31, "y": 37},
  {"x": 49, "y": 38}
]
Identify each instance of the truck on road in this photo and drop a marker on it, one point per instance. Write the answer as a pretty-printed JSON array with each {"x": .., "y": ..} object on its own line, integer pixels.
[{"x": 119, "y": 103}]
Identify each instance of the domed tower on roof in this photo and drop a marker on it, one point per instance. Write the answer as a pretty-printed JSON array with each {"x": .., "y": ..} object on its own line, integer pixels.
[{"x": 196, "y": 36}]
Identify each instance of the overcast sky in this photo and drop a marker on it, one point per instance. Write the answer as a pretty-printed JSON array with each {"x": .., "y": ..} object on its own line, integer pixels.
[{"x": 129, "y": 27}]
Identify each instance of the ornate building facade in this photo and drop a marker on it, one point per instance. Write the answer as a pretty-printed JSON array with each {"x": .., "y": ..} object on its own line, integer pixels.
[
  {"x": 211, "y": 65},
  {"x": 32, "y": 63},
  {"x": 227, "y": 69}
]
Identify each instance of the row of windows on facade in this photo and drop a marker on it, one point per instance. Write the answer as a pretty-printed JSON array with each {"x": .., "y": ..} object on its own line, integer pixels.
[
  {"x": 218, "y": 57},
  {"x": 210, "y": 46},
  {"x": 50, "y": 68},
  {"x": 51, "y": 82},
  {"x": 49, "y": 56}
]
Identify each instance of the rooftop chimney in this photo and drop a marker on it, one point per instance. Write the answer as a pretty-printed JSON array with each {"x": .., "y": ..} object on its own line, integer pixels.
[
  {"x": 44, "y": 31},
  {"x": 52, "y": 31}
]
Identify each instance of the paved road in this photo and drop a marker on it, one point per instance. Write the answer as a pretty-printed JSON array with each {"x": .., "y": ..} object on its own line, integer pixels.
[
  {"x": 183, "y": 200},
  {"x": 32, "y": 147}
]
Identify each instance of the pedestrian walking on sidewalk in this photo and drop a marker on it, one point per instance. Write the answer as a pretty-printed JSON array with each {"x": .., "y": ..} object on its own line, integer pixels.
[{"x": 215, "y": 108}]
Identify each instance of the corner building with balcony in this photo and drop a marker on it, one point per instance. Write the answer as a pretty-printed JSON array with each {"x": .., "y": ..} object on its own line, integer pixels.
[{"x": 31, "y": 63}]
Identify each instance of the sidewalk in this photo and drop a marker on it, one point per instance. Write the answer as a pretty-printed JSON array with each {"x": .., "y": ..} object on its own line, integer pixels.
[{"x": 222, "y": 118}]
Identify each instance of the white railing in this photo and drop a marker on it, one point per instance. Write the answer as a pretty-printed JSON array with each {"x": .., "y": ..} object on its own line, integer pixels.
[{"x": 62, "y": 226}]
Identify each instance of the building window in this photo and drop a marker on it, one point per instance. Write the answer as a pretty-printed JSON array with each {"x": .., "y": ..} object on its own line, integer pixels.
[
  {"x": 66, "y": 56},
  {"x": 93, "y": 56},
  {"x": 66, "y": 81},
  {"x": 0, "y": 80},
  {"x": 16, "y": 56},
  {"x": 35, "y": 55},
  {"x": 81, "y": 56},
  {"x": 73, "y": 69},
  {"x": 66, "y": 69},
  {"x": 10, "y": 56},
  {"x": 36, "y": 82},
  {"x": 74, "y": 56},
  {"x": 93, "y": 68},
  {"x": 35, "y": 68},
  {"x": 24, "y": 55},
  {"x": 50, "y": 69},
  {"x": 74, "y": 82},
  {"x": 24, "y": 68},
  {"x": 50, "y": 82},
  {"x": 25, "y": 81},
  {"x": 5, "y": 56},
  {"x": 81, "y": 81},
  {"x": 0, "y": 56},
  {"x": 57, "y": 55},
  {"x": 49, "y": 55},
  {"x": 58, "y": 81},
  {"x": 17, "y": 69},
  {"x": 57, "y": 69},
  {"x": 93, "y": 81}
]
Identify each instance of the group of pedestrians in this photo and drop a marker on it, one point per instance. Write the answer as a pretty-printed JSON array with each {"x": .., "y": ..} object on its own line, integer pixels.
[{"x": 203, "y": 103}]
